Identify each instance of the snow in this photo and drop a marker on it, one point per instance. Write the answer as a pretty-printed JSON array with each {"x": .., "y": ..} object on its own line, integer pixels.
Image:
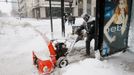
[
  {"x": 93, "y": 67},
  {"x": 115, "y": 65},
  {"x": 18, "y": 39}
]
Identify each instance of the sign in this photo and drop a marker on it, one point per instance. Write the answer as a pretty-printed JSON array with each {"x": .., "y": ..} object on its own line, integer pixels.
[
  {"x": 116, "y": 25},
  {"x": 113, "y": 22}
]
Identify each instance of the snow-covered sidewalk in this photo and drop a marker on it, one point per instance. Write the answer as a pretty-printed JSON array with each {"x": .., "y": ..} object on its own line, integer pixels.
[{"x": 18, "y": 40}]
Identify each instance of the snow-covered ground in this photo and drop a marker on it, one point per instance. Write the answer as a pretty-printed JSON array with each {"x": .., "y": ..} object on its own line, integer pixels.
[{"x": 18, "y": 39}]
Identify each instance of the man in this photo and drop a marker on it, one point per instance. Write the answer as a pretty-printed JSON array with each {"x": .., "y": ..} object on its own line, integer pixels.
[{"x": 89, "y": 26}]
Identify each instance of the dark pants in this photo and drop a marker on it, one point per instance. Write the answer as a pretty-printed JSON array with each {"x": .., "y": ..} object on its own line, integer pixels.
[{"x": 88, "y": 40}]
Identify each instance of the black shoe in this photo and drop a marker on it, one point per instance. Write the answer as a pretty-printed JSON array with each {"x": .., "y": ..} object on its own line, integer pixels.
[{"x": 87, "y": 55}]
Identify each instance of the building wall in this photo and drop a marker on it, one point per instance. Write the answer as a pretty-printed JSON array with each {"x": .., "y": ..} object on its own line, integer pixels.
[
  {"x": 43, "y": 6},
  {"x": 29, "y": 5},
  {"x": 93, "y": 7},
  {"x": 14, "y": 11},
  {"x": 75, "y": 10},
  {"x": 84, "y": 6},
  {"x": 43, "y": 12},
  {"x": 40, "y": 8},
  {"x": 25, "y": 7},
  {"x": 89, "y": 6}
]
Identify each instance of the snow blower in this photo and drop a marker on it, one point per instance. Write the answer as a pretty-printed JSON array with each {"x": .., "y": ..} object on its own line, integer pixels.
[{"x": 57, "y": 56}]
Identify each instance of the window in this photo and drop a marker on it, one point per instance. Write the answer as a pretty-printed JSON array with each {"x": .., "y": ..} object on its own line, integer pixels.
[
  {"x": 80, "y": 1},
  {"x": 89, "y": 1}
]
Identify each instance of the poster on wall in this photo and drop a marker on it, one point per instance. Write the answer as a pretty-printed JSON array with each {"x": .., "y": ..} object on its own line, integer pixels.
[{"x": 116, "y": 26}]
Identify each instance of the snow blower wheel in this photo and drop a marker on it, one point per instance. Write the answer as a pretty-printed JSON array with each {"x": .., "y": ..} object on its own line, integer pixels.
[{"x": 62, "y": 62}]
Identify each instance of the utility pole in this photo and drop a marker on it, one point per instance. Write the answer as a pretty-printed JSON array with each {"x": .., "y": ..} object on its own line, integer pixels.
[
  {"x": 62, "y": 18},
  {"x": 51, "y": 17}
]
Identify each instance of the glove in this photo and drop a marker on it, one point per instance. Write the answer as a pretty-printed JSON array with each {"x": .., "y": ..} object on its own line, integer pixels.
[{"x": 79, "y": 38}]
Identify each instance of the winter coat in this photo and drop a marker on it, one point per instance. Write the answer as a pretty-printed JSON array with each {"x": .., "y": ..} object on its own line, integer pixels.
[{"x": 89, "y": 26}]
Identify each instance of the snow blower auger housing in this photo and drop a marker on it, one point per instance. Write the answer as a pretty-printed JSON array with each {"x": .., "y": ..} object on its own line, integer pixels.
[{"x": 57, "y": 58}]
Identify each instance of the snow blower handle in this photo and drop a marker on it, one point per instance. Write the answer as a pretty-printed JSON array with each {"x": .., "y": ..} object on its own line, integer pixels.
[
  {"x": 79, "y": 37},
  {"x": 73, "y": 43}
]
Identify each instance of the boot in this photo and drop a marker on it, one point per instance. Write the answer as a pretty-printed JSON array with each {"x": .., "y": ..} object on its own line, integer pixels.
[{"x": 97, "y": 54}]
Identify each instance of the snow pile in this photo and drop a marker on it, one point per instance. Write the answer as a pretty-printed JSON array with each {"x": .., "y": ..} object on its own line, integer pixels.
[
  {"x": 118, "y": 64},
  {"x": 90, "y": 66}
]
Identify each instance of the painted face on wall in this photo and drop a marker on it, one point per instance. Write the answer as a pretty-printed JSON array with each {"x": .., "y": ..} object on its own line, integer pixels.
[{"x": 121, "y": 4}]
